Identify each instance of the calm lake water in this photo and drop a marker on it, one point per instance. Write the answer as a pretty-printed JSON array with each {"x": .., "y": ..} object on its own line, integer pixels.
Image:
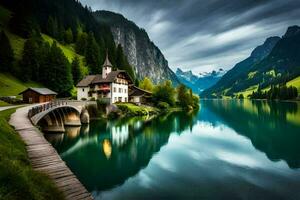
[{"x": 228, "y": 150}]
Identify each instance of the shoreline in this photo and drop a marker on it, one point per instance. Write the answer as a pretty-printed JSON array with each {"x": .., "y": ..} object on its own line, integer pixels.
[{"x": 44, "y": 158}]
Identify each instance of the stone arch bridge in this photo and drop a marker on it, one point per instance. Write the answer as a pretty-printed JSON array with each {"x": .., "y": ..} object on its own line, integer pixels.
[{"x": 54, "y": 116}]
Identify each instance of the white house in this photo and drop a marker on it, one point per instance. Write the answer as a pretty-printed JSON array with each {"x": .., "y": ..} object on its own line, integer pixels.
[{"x": 111, "y": 86}]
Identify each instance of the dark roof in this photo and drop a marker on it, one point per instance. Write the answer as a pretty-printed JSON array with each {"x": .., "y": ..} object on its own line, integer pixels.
[
  {"x": 136, "y": 91},
  {"x": 86, "y": 81},
  {"x": 93, "y": 79},
  {"x": 42, "y": 91}
]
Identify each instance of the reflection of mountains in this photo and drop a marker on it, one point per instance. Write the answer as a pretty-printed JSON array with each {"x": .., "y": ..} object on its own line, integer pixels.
[
  {"x": 132, "y": 144},
  {"x": 266, "y": 124}
]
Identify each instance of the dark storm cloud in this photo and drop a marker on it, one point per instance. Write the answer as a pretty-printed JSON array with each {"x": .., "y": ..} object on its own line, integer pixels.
[{"x": 204, "y": 35}]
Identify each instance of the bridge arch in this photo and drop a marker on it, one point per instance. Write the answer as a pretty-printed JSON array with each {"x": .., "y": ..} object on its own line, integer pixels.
[{"x": 55, "y": 118}]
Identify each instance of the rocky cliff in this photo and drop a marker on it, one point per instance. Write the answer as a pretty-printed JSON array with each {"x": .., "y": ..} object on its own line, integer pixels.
[{"x": 142, "y": 54}]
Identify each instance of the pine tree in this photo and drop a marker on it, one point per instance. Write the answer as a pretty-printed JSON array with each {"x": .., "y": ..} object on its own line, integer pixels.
[
  {"x": 92, "y": 55},
  {"x": 6, "y": 53},
  {"x": 59, "y": 77},
  {"x": 52, "y": 27},
  {"x": 68, "y": 36},
  {"x": 29, "y": 64},
  {"x": 76, "y": 72},
  {"x": 81, "y": 43}
]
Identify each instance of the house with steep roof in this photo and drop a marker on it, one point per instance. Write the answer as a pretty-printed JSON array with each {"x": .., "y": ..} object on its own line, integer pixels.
[{"x": 110, "y": 86}]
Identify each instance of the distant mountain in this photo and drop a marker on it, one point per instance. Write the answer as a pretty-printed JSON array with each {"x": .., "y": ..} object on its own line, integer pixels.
[
  {"x": 240, "y": 76},
  {"x": 200, "y": 82},
  {"x": 141, "y": 52}
]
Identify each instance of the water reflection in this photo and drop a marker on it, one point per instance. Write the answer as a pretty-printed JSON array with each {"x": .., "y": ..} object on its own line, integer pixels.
[
  {"x": 267, "y": 124},
  {"x": 241, "y": 149},
  {"x": 118, "y": 149}
]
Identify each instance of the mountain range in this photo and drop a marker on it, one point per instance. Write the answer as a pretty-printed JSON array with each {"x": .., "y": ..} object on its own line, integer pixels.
[
  {"x": 199, "y": 82},
  {"x": 276, "y": 61}
]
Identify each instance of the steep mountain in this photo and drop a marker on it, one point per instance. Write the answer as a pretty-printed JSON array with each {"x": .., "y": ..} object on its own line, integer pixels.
[
  {"x": 235, "y": 77},
  {"x": 200, "y": 82},
  {"x": 141, "y": 52}
]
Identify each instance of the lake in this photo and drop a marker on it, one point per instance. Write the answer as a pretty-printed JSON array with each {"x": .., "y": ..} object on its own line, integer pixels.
[{"x": 229, "y": 149}]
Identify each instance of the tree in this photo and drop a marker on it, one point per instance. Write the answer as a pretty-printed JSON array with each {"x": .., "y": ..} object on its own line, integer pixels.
[
  {"x": 241, "y": 96},
  {"x": 76, "y": 72},
  {"x": 164, "y": 93},
  {"x": 52, "y": 27},
  {"x": 81, "y": 43},
  {"x": 146, "y": 84},
  {"x": 29, "y": 65},
  {"x": 68, "y": 36},
  {"x": 185, "y": 97},
  {"x": 58, "y": 72},
  {"x": 92, "y": 55},
  {"x": 6, "y": 53}
]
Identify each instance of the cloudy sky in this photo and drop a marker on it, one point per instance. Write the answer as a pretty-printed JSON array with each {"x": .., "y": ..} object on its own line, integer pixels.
[{"x": 203, "y": 35}]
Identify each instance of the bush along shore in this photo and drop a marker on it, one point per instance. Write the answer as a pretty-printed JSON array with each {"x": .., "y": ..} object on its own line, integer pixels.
[{"x": 164, "y": 99}]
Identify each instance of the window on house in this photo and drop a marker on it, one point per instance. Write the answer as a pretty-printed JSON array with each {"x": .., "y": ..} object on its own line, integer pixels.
[
  {"x": 115, "y": 90},
  {"x": 82, "y": 89},
  {"x": 120, "y": 99},
  {"x": 124, "y": 90},
  {"x": 125, "y": 99},
  {"x": 119, "y": 90},
  {"x": 115, "y": 99}
]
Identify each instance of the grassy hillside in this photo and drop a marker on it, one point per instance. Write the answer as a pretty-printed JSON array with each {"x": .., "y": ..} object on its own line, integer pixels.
[
  {"x": 295, "y": 82},
  {"x": 11, "y": 86}
]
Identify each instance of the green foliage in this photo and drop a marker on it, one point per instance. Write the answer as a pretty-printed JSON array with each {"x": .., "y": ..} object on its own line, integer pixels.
[
  {"x": 146, "y": 84},
  {"x": 17, "y": 178},
  {"x": 186, "y": 98},
  {"x": 92, "y": 55},
  {"x": 130, "y": 109},
  {"x": 241, "y": 96},
  {"x": 29, "y": 66},
  {"x": 165, "y": 93},
  {"x": 81, "y": 43},
  {"x": 68, "y": 36},
  {"x": 163, "y": 105},
  {"x": 76, "y": 72},
  {"x": 276, "y": 92},
  {"x": 6, "y": 53},
  {"x": 52, "y": 27}
]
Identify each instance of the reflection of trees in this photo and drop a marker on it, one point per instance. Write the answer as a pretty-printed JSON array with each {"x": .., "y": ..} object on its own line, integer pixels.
[
  {"x": 265, "y": 124},
  {"x": 133, "y": 143}
]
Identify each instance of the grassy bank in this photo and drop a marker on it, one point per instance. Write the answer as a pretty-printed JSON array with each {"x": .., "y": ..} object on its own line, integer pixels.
[
  {"x": 17, "y": 178},
  {"x": 2, "y": 103},
  {"x": 130, "y": 109}
]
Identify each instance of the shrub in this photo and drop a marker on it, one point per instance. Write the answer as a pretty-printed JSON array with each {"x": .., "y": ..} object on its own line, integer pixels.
[
  {"x": 83, "y": 99},
  {"x": 163, "y": 105},
  {"x": 93, "y": 99}
]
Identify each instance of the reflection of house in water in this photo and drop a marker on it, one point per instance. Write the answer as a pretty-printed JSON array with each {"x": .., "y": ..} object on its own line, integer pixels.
[{"x": 120, "y": 135}]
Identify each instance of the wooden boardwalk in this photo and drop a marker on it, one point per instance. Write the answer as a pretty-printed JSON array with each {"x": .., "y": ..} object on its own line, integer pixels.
[{"x": 44, "y": 157}]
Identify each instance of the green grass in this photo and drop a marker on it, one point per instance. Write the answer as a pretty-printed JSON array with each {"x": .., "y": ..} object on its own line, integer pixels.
[
  {"x": 17, "y": 44},
  {"x": 295, "y": 82},
  {"x": 2, "y": 103},
  {"x": 69, "y": 52},
  {"x": 17, "y": 178},
  {"x": 11, "y": 86}
]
